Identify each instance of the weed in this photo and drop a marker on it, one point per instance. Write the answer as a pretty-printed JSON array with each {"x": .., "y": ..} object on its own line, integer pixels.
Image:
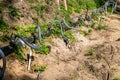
[
  {"x": 109, "y": 9},
  {"x": 51, "y": 41},
  {"x": 49, "y": 1},
  {"x": 89, "y": 30},
  {"x": 73, "y": 6},
  {"x": 55, "y": 29},
  {"x": 25, "y": 31},
  {"x": 117, "y": 78},
  {"x": 18, "y": 53},
  {"x": 91, "y": 4},
  {"x": 40, "y": 8},
  {"x": 3, "y": 26},
  {"x": 56, "y": 32},
  {"x": 90, "y": 52},
  {"x": 4, "y": 37},
  {"x": 65, "y": 13},
  {"x": 43, "y": 49},
  {"x": 55, "y": 15},
  {"x": 40, "y": 68},
  {"x": 31, "y": 1},
  {"x": 14, "y": 12},
  {"x": 1, "y": 8},
  {"x": 101, "y": 27},
  {"x": 44, "y": 26},
  {"x": 81, "y": 23},
  {"x": 114, "y": 68},
  {"x": 99, "y": 2},
  {"x": 80, "y": 2},
  {"x": 70, "y": 36},
  {"x": 85, "y": 33}
]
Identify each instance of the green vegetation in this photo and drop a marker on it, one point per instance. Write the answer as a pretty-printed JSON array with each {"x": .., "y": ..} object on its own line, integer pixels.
[
  {"x": 3, "y": 26},
  {"x": 101, "y": 27},
  {"x": 65, "y": 13},
  {"x": 99, "y": 2},
  {"x": 85, "y": 33},
  {"x": 56, "y": 32},
  {"x": 4, "y": 37},
  {"x": 31, "y": 1},
  {"x": 117, "y": 78},
  {"x": 49, "y": 1},
  {"x": 40, "y": 68},
  {"x": 70, "y": 36},
  {"x": 14, "y": 12},
  {"x": 44, "y": 49},
  {"x": 24, "y": 31},
  {"x": 109, "y": 9},
  {"x": 4, "y": 29},
  {"x": 74, "y": 6},
  {"x": 90, "y": 52},
  {"x": 19, "y": 53},
  {"x": 91, "y": 4},
  {"x": 1, "y": 8},
  {"x": 40, "y": 9}
]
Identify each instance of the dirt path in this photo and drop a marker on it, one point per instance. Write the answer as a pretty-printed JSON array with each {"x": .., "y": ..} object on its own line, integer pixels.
[{"x": 70, "y": 63}]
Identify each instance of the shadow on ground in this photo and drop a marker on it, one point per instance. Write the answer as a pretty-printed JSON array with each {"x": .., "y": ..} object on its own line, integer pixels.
[{"x": 9, "y": 76}]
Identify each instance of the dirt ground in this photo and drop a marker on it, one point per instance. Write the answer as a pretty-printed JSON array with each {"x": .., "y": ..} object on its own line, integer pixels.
[{"x": 70, "y": 62}]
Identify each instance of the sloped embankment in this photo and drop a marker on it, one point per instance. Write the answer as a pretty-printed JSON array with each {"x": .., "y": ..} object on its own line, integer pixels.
[{"x": 71, "y": 63}]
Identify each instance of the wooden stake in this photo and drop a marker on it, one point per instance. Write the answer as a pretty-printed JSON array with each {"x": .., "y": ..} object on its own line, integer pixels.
[
  {"x": 58, "y": 3},
  {"x": 65, "y": 4}
]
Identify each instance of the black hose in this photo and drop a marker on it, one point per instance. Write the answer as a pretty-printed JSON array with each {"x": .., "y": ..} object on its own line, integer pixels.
[
  {"x": 82, "y": 17},
  {"x": 49, "y": 30},
  {"x": 27, "y": 43},
  {"x": 39, "y": 33},
  {"x": 60, "y": 27},
  {"x": 70, "y": 27},
  {"x": 2, "y": 70}
]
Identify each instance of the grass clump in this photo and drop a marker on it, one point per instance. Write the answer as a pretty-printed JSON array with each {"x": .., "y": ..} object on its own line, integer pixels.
[
  {"x": 49, "y": 1},
  {"x": 117, "y": 78},
  {"x": 14, "y": 12},
  {"x": 101, "y": 27},
  {"x": 91, "y": 4},
  {"x": 1, "y": 8},
  {"x": 19, "y": 53},
  {"x": 70, "y": 36},
  {"x": 85, "y": 33},
  {"x": 40, "y": 9},
  {"x": 24, "y": 31},
  {"x": 3, "y": 26},
  {"x": 73, "y": 6},
  {"x": 4, "y": 38},
  {"x": 90, "y": 52},
  {"x": 40, "y": 68},
  {"x": 56, "y": 32},
  {"x": 44, "y": 49},
  {"x": 31, "y": 1}
]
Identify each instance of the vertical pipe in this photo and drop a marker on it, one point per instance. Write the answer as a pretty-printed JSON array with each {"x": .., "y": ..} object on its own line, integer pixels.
[{"x": 29, "y": 62}]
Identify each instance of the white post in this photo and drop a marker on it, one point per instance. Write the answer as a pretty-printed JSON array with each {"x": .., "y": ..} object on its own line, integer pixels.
[
  {"x": 29, "y": 62},
  {"x": 65, "y": 4},
  {"x": 58, "y": 3}
]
